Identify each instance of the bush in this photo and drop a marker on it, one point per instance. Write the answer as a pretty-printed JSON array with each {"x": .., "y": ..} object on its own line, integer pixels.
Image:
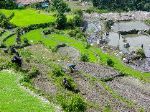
[
  {"x": 110, "y": 62},
  {"x": 8, "y": 4},
  {"x": 61, "y": 21},
  {"x": 84, "y": 58},
  {"x": 58, "y": 46},
  {"x": 11, "y": 16},
  {"x": 77, "y": 21},
  {"x": 5, "y": 64},
  {"x": 72, "y": 33},
  {"x": 26, "y": 42},
  {"x": 90, "y": 10},
  {"x": 60, "y": 6},
  {"x": 87, "y": 46},
  {"x": 33, "y": 72},
  {"x": 108, "y": 25},
  {"x": 36, "y": 26},
  {"x": 78, "y": 12},
  {"x": 58, "y": 72},
  {"x": 2, "y": 45},
  {"x": 70, "y": 24},
  {"x": 49, "y": 31},
  {"x": 72, "y": 104},
  {"x": 76, "y": 33},
  {"x": 140, "y": 53}
]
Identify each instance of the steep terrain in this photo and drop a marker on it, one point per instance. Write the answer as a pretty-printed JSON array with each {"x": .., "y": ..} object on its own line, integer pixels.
[{"x": 60, "y": 71}]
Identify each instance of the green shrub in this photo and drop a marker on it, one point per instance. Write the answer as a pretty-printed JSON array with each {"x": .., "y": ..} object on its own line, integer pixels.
[
  {"x": 49, "y": 31},
  {"x": 108, "y": 24},
  {"x": 32, "y": 73},
  {"x": 61, "y": 21},
  {"x": 26, "y": 54},
  {"x": 110, "y": 62},
  {"x": 72, "y": 33},
  {"x": 26, "y": 42},
  {"x": 2, "y": 45},
  {"x": 58, "y": 72},
  {"x": 78, "y": 12},
  {"x": 77, "y": 20},
  {"x": 5, "y": 64},
  {"x": 77, "y": 33},
  {"x": 60, "y": 6},
  {"x": 87, "y": 46},
  {"x": 140, "y": 53},
  {"x": 72, "y": 104},
  {"x": 70, "y": 23},
  {"x": 58, "y": 46},
  {"x": 90, "y": 10},
  {"x": 36, "y": 26},
  {"x": 84, "y": 58}
]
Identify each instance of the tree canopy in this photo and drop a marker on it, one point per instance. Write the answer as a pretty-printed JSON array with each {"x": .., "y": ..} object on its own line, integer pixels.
[
  {"x": 60, "y": 6},
  {"x": 122, "y": 4},
  {"x": 7, "y": 4}
]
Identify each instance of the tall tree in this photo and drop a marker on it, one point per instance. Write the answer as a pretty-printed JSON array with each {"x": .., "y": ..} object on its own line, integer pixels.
[
  {"x": 7, "y": 4},
  {"x": 60, "y": 6},
  {"x": 122, "y": 4}
]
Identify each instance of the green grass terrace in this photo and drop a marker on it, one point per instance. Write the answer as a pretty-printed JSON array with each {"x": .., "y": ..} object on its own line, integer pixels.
[
  {"x": 26, "y": 17},
  {"x": 13, "y": 98}
]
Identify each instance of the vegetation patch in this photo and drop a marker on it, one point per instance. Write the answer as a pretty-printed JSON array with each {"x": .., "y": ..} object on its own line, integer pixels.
[
  {"x": 14, "y": 98},
  {"x": 26, "y": 17}
]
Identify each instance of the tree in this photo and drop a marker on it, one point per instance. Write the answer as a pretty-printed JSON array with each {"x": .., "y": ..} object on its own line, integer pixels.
[
  {"x": 147, "y": 6},
  {"x": 3, "y": 21},
  {"x": 96, "y": 3},
  {"x": 122, "y": 4},
  {"x": 60, "y": 6},
  {"x": 61, "y": 21},
  {"x": 77, "y": 21},
  {"x": 7, "y": 4}
]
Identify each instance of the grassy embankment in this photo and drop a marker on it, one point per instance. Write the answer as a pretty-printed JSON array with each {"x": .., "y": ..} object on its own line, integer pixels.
[{"x": 13, "y": 98}]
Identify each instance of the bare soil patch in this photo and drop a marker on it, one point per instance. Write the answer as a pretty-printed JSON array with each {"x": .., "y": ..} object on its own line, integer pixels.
[
  {"x": 97, "y": 70},
  {"x": 133, "y": 89},
  {"x": 94, "y": 92}
]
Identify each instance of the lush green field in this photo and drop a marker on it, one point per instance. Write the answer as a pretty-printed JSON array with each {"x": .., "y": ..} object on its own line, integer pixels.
[
  {"x": 95, "y": 54},
  {"x": 27, "y": 17},
  {"x": 14, "y": 99}
]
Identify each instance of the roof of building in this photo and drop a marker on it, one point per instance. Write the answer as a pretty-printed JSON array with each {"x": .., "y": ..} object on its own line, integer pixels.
[{"x": 26, "y": 2}]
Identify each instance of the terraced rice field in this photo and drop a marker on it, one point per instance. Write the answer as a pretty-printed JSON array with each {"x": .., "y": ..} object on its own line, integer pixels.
[{"x": 26, "y": 17}]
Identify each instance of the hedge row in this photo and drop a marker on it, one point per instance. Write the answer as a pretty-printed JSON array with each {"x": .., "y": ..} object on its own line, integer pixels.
[
  {"x": 37, "y": 26},
  {"x": 8, "y": 37}
]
